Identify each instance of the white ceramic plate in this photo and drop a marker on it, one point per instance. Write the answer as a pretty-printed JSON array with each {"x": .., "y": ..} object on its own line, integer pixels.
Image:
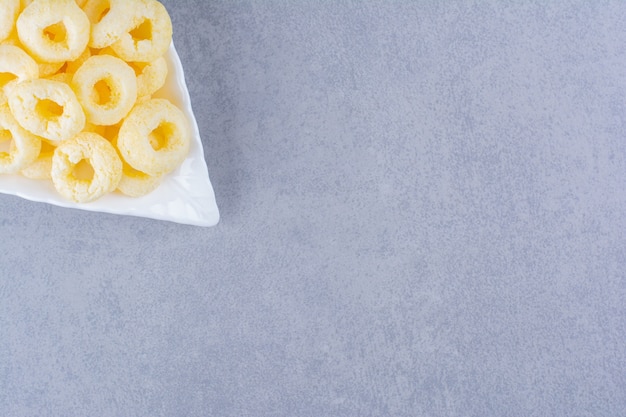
[{"x": 185, "y": 196}]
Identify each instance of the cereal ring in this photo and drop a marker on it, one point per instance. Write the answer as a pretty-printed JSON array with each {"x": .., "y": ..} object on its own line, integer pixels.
[
  {"x": 41, "y": 168},
  {"x": 63, "y": 77},
  {"x": 154, "y": 137},
  {"x": 150, "y": 77},
  {"x": 12, "y": 39},
  {"x": 23, "y": 146},
  {"x": 16, "y": 64},
  {"x": 72, "y": 66},
  {"x": 46, "y": 108},
  {"x": 101, "y": 130},
  {"x": 9, "y": 10},
  {"x": 85, "y": 168},
  {"x": 135, "y": 183},
  {"x": 150, "y": 36},
  {"x": 53, "y": 30},
  {"x": 110, "y": 19},
  {"x": 106, "y": 87},
  {"x": 47, "y": 69}
]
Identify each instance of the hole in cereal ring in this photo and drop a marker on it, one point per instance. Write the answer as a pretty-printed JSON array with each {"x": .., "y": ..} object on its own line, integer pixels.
[
  {"x": 102, "y": 90},
  {"x": 48, "y": 109},
  {"x": 142, "y": 32},
  {"x": 83, "y": 170},
  {"x": 159, "y": 137},
  {"x": 56, "y": 32}
]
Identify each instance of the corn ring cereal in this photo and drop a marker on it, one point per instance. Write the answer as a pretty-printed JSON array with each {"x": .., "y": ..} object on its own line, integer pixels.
[
  {"x": 64, "y": 77},
  {"x": 77, "y": 79},
  {"x": 106, "y": 87},
  {"x": 135, "y": 183},
  {"x": 16, "y": 64},
  {"x": 9, "y": 10},
  {"x": 72, "y": 66},
  {"x": 47, "y": 69},
  {"x": 154, "y": 138},
  {"x": 53, "y": 30},
  {"x": 110, "y": 19},
  {"x": 24, "y": 147},
  {"x": 150, "y": 36},
  {"x": 46, "y": 108},
  {"x": 41, "y": 168},
  {"x": 85, "y": 168},
  {"x": 150, "y": 77}
]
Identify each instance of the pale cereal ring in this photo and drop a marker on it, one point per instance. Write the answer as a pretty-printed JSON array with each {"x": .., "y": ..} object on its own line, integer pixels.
[
  {"x": 46, "y": 108},
  {"x": 135, "y": 183},
  {"x": 41, "y": 168},
  {"x": 110, "y": 19},
  {"x": 72, "y": 66},
  {"x": 47, "y": 69},
  {"x": 154, "y": 137},
  {"x": 12, "y": 39},
  {"x": 150, "y": 77},
  {"x": 23, "y": 148},
  {"x": 106, "y": 87},
  {"x": 16, "y": 64},
  {"x": 64, "y": 77},
  {"x": 9, "y": 9},
  {"x": 85, "y": 168},
  {"x": 101, "y": 130},
  {"x": 150, "y": 36},
  {"x": 53, "y": 30}
]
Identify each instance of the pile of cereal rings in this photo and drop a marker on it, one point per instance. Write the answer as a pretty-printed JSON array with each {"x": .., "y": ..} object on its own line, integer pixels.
[{"x": 77, "y": 79}]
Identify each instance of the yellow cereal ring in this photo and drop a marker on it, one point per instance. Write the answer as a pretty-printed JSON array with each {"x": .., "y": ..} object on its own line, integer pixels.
[
  {"x": 64, "y": 77},
  {"x": 53, "y": 30},
  {"x": 72, "y": 66},
  {"x": 110, "y": 19},
  {"x": 41, "y": 168},
  {"x": 16, "y": 64},
  {"x": 85, "y": 168},
  {"x": 9, "y": 10},
  {"x": 106, "y": 87},
  {"x": 150, "y": 36},
  {"x": 101, "y": 130},
  {"x": 47, "y": 69},
  {"x": 12, "y": 39},
  {"x": 154, "y": 137},
  {"x": 150, "y": 77},
  {"x": 46, "y": 108},
  {"x": 23, "y": 148},
  {"x": 136, "y": 183}
]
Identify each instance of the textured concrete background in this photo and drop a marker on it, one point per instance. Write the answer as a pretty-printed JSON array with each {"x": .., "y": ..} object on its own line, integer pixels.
[{"x": 422, "y": 215}]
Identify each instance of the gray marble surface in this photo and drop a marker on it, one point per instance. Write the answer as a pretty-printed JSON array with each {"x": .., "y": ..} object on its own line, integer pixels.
[{"x": 422, "y": 215}]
